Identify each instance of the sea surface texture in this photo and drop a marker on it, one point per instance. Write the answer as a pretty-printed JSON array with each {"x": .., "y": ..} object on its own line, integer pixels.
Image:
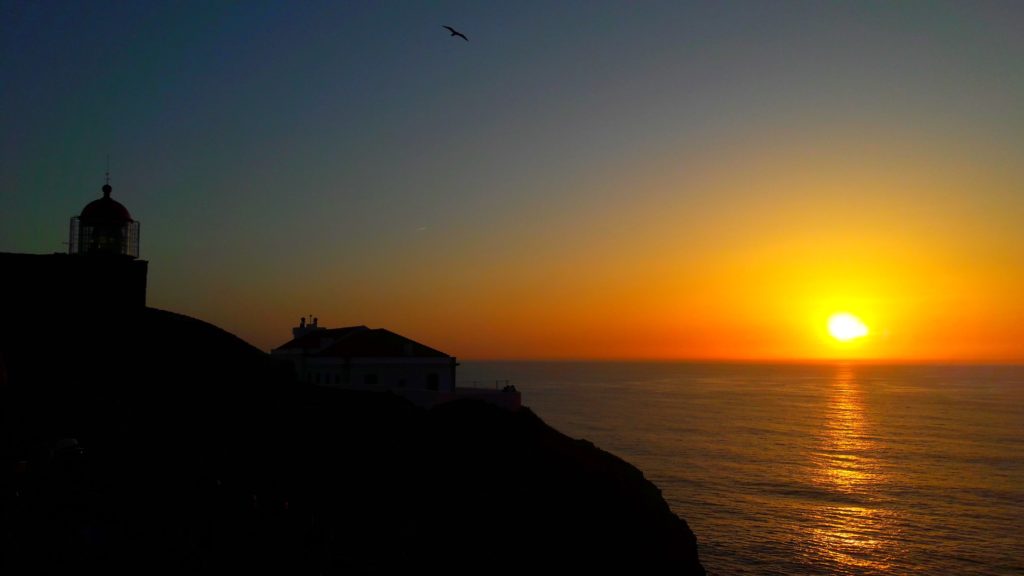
[{"x": 809, "y": 469}]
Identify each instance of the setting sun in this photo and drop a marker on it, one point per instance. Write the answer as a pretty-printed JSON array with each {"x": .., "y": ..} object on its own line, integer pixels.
[{"x": 845, "y": 327}]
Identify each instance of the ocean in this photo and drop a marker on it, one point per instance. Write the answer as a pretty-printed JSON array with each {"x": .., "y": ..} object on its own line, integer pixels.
[{"x": 809, "y": 469}]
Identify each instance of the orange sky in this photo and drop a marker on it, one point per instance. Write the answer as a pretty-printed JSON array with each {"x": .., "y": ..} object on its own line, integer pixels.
[{"x": 781, "y": 238}]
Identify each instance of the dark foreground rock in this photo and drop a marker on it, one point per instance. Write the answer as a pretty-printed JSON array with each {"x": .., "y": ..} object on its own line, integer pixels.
[{"x": 155, "y": 442}]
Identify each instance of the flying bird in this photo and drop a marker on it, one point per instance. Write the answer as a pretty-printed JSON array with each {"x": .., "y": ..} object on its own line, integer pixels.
[{"x": 456, "y": 33}]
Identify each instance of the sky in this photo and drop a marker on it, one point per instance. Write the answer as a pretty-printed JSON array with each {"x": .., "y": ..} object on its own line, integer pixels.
[{"x": 579, "y": 180}]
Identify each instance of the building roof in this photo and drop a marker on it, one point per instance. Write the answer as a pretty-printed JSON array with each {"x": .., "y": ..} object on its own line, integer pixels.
[
  {"x": 105, "y": 210},
  {"x": 359, "y": 342},
  {"x": 314, "y": 339}
]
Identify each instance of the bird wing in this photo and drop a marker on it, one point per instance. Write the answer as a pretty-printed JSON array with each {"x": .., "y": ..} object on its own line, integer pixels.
[{"x": 456, "y": 33}]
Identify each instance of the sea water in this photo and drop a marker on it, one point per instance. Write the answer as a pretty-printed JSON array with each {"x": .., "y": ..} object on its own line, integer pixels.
[{"x": 809, "y": 469}]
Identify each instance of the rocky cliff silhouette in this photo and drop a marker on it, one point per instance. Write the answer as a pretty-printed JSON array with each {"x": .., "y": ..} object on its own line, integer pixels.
[{"x": 153, "y": 442}]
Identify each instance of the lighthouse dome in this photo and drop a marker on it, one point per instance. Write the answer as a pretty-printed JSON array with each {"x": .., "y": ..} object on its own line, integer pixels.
[{"x": 105, "y": 210}]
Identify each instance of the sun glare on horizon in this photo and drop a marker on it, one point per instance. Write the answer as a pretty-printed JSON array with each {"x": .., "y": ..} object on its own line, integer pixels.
[{"x": 844, "y": 327}]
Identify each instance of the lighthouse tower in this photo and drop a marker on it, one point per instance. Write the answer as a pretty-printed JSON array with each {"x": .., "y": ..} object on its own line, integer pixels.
[
  {"x": 104, "y": 227},
  {"x": 100, "y": 279}
]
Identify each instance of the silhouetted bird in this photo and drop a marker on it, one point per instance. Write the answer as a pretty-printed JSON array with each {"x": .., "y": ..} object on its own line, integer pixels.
[{"x": 456, "y": 33}]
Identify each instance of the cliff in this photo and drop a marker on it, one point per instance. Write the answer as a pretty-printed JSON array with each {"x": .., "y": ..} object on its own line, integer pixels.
[{"x": 156, "y": 442}]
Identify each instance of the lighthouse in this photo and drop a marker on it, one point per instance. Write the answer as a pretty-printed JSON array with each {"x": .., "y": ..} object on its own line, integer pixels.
[
  {"x": 100, "y": 278},
  {"x": 105, "y": 227}
]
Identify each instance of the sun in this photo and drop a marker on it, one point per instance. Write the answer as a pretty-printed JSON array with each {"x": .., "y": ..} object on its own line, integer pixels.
[{"x": 844, "y": 327}]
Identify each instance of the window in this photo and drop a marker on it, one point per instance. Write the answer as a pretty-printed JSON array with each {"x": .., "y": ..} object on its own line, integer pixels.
[{"x": 433, "y": 381}]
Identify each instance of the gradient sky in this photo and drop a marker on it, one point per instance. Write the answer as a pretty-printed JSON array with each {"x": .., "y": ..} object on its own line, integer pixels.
[{"x": 580, "y": 180}]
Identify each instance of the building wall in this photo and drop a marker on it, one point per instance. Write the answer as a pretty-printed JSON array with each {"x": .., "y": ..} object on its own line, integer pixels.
[
  {"x": 381, "y": 373},
  {"x": 62, "y": 285}
]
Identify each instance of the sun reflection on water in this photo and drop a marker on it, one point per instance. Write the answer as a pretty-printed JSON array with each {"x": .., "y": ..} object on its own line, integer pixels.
[
  {"x": 850, "y": 531},
  {"x": 844, "y": 459}
]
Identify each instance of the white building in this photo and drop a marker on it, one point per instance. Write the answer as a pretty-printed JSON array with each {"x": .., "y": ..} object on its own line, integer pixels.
[{"x": 361, "y": 358}]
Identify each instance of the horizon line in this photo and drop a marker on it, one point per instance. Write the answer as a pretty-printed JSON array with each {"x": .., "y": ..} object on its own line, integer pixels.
[{"x": 777, "y": 361}]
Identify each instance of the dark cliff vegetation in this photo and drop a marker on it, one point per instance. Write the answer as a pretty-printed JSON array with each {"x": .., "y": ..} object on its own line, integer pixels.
[{"x": 195, "y": 452}]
